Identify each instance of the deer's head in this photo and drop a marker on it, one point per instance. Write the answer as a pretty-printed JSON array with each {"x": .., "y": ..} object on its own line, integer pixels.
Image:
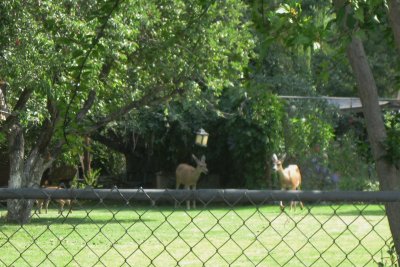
[
  {"x": 201, "y": 164},
  {"x": 278, "y": 162}
]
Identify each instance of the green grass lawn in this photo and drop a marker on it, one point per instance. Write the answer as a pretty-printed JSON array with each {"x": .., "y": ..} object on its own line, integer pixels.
[{"x": 108, "y": 234}]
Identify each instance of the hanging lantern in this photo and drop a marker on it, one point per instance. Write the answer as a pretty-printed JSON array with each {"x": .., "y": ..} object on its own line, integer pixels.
[{"x": 201, "y": 138}]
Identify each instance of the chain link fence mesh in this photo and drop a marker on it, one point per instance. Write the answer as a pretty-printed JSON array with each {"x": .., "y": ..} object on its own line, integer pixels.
[{"x": 228, "y": 228}]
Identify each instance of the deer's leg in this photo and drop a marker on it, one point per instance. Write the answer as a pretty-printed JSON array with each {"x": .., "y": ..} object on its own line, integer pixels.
[
  {"x": 69, "y": 203},
  {"x": 176, "y": 202},
  {"x": 281, "y": 202},
  {"x": 293, "y": 205},
  {"x": 194, "y": 200},
  {"x": 282, "y": 206},
  {"x": 301, "y": 203},
  {"x": 293, "y": 202},
  {"x": 62, "y": 202},
  {"x": 187, "y": 201},
  {"x": 46, "y": 205},
  {"x": 37, "y": 210},
  {"x": 39, "y": 204}
]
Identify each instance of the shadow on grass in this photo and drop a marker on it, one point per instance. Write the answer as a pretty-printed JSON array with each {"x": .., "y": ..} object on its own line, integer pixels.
[
  {"x": 72, "y": 219},
  {"x": 115, "y": 213},
  {"x": 347, "y": 209},
  {"x": 80, "y": 221},
  {"x": 380, "y": 213}
]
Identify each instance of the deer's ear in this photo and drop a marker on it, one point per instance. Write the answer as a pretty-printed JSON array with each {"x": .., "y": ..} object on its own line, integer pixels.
[
  {"x": 203, "y": 158},
  {"x": 195, "y": 158},
  {"x": 283, "y": 157},
  {"x": 274, "y": 157}
]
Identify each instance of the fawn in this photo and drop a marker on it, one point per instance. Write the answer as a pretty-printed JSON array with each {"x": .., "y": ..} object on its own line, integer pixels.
[{"x": 45, "y": 202}]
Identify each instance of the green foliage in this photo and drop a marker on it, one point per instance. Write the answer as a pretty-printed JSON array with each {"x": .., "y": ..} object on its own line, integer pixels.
[
  {"x": 390, "y": 257},
  {"x": 133, "y": 54},
  {"x": 253, "y": 135},
  {"x": 92, "y": 178},
  {"x": 75, "y": 183},
  {"x": 392, "y": 121},
  {"x": 245, "y": 129},
  {"x": 354, "y": 171},
  {"x": 310, "y": 124},
  {"x": 109, "y": 161},
  {"x": 305, "y": 34}
]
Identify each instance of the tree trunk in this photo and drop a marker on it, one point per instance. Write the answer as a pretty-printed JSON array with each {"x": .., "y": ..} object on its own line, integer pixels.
[
  {"x": 27, "y": 171},
  {"x": 3, "y": 106},
  {"x": 23, "y": 173},
  {"x": 86, "y": 162},
  {"x": 394, "y": 15},
  {"x": 389, "y": 176},
  {"x": 18, "y": 210}
]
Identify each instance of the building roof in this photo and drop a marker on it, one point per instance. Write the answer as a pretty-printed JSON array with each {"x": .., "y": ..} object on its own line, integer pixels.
[{"x": 350, "y": 104}]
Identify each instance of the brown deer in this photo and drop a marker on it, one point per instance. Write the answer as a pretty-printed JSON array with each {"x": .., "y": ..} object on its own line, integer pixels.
[
  {"x": 289, "y": 178},
  {"x": 188, "y": 176},
  {"x": 45, "y": 202}
]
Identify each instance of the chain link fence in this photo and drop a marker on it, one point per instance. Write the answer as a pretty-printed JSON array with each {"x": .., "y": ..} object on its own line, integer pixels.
[{"x": 228, "y": 228}]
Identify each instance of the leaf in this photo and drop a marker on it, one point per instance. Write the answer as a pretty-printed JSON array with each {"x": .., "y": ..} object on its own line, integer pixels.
[
  {"x": 77, "y": 53},
  {"x": 359, "y": 14},
  {"x": 284, "y": 9},
  {"x": 65, "y": 40},
  {"x": 303, "y": 40},
  {"x": 330, "y": 24}
]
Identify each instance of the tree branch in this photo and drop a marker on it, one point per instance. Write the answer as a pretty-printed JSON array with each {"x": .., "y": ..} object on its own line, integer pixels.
[
  {"x": 86, "y": 106},
  {"x": 23, "y": 99},
  {"x": 106, "y": 68},
  {"x": 95, "y": 41},
  {"x": 146, "y": 100},
  {"x": 19, "y": 106},
  {"x": 49, "y": 126},
  {"x": 47, "y": 132}
]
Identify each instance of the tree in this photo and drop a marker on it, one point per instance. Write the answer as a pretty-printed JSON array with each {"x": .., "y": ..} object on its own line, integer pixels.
[{"x": 71, "y": 68}]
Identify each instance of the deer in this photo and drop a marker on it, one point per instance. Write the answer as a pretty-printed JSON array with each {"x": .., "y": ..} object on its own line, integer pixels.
[
  {"x": 45, "y": 202},
  {"x": 188, "y": 176},
  {"x": 289, "y": 178}
]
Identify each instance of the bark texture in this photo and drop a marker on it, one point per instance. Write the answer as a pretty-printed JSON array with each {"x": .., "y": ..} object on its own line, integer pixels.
[
  {"x": 87, "y": 157},
  {"x": 389, "y": 176},
  {"x": 16, "y": 144},
  {"x": 394, "y": 15}
]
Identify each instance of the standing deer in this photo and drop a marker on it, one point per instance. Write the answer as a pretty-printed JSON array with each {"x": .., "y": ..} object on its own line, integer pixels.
[
  {"x": 45, "y": 202},
  {"x": 188, "y": 176},
  {"x": 290, "y": 178}
]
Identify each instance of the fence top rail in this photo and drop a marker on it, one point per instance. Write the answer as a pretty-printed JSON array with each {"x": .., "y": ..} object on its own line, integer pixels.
[{"x": 205, "y": 195}]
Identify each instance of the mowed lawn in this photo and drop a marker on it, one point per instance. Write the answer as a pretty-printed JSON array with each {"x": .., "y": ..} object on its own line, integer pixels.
[{"x": 108, "y": 234}]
